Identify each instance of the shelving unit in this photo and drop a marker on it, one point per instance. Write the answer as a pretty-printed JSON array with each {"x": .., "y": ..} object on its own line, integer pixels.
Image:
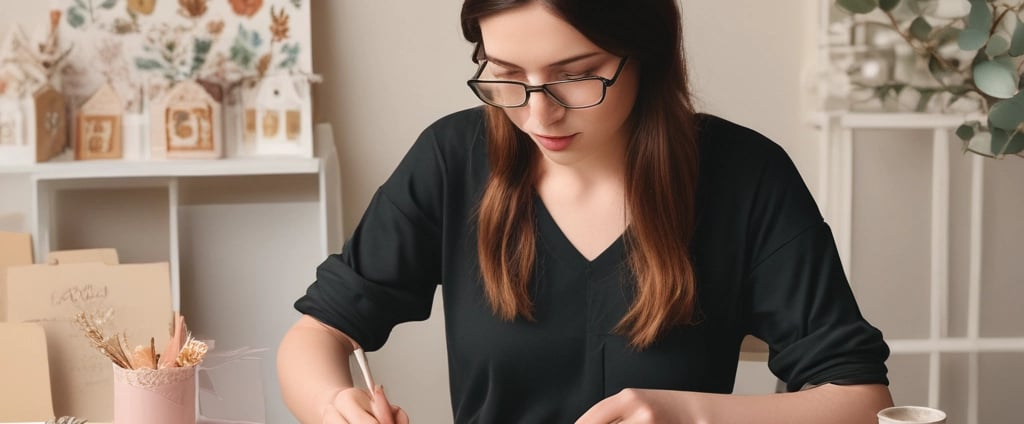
[{"x": 49, "y": 179}]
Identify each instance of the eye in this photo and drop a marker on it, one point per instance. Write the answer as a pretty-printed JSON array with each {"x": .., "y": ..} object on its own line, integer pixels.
[{"x": 576, "y": 75}]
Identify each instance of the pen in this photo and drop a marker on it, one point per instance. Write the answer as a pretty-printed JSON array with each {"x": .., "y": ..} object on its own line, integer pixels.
[{"x": 364, "y": 366}]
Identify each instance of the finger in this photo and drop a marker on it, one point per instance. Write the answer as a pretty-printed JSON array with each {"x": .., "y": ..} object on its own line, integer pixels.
[
  {"x": 400, "y": 416},
  {"x": 609, "y": 410},
  {"x": 381, "y": 406},
  {"x": 332, "y": 416},
  {"x": 353, "y": 404}
]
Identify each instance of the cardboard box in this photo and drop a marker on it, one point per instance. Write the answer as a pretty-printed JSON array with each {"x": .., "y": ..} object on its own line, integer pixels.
[
  {"x": 15, "y": 249},
  {"x": 135, "y": 299},
  {"x": 25, "y": 373}
]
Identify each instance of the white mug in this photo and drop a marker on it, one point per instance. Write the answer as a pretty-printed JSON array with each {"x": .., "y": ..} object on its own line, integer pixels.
[{"x": 911, "y": 415}]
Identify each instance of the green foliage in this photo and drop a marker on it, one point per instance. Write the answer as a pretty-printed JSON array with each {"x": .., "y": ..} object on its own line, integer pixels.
[
  {"x": 291, "y": 56},
  {"x": 984, "y": 65},
  {"x": 245, "y": 48},
  {"x": 858, "y": 6}
]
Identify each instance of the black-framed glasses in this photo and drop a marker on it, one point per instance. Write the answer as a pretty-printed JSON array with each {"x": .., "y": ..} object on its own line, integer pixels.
[{"x": 577, "y": 93}]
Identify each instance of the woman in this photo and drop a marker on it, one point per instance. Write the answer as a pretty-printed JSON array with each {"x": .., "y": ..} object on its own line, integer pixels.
[{"x": 603, "y": 249}]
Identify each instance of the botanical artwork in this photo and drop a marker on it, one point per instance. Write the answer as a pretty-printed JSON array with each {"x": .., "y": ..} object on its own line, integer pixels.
[
  {"x": 100, "y": 137},
  {"x": 144, "y": 46},
  {"x": 190, "y": 128}
]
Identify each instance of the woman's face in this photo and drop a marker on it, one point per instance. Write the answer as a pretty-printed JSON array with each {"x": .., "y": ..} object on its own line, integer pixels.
[{"x": 532, "y": 45}]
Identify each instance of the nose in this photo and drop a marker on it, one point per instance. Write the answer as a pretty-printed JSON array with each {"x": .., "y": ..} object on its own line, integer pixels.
[{"x": 543, "y": 109}]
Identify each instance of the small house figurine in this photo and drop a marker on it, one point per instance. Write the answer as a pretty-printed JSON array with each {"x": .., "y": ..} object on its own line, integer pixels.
[
  {"x": 98, "y": 135},
  {"x": 33, "y": 118},
  {"x": 48, "y": 123},
  {"x": 276, "y": 117},
  {"x": 186, "y": 124}
]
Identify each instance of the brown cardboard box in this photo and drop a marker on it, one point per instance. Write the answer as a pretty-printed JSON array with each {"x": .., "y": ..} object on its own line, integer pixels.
[
  {"x": 135, "y": 299},
  {"x": 25, "y": 392},
  {"x": 15, "y": 249}
]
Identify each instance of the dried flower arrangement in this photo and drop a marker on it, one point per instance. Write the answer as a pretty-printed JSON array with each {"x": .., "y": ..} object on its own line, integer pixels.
[{"x": 182, "y": 349}]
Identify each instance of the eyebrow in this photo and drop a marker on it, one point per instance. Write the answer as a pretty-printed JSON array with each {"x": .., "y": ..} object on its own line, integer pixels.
[{"x": 553, "y": 65}]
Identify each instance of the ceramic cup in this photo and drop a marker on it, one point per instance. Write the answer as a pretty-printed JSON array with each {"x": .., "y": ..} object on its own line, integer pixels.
[{"x": 911, "y": 415}]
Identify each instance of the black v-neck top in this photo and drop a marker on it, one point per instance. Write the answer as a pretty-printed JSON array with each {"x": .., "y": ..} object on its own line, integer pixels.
[{"x": 766, "y": 265}]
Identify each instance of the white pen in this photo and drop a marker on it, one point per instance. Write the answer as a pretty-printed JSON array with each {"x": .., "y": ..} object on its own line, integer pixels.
[{"x": 364, "y": 366}]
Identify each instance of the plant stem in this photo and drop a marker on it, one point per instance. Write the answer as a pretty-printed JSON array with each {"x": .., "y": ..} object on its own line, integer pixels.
[{"x": 929, "y": 50}]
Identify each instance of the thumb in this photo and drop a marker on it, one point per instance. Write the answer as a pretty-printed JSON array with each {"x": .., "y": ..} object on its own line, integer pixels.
[{"x": 381, "y": 407}]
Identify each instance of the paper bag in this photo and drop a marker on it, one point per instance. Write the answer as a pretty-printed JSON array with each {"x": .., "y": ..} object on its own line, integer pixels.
[
  {"x": 135, "y": 299},
  {"x": 15, "y": 249},
  {"x": 24, "y": 373}
]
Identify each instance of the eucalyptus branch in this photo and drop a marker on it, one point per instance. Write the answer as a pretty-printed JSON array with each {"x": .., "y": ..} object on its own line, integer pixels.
[{"x": 928, "y": 49}]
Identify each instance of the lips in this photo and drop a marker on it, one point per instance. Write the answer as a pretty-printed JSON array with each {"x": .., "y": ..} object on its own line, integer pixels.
[{"x": 553, "y": 142}]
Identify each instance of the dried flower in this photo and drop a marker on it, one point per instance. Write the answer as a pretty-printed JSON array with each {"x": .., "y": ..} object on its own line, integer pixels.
[
  {"x": 246, "y": 8},
  {"x": 142, "y": 7},
  {"x": 192, "y": 353},
  {"x": 113, "y": 347},
  {"x": 264, "y": 64},
  {"x": 215, "y": 27},
  {"x": 192, "y": 8},
  {"x": 54, "y": 19},
  {"x": 278, "y": 24}
]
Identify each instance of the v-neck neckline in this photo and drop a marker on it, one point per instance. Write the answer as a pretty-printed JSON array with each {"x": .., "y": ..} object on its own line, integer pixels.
[{"x": 558, "y": 243}]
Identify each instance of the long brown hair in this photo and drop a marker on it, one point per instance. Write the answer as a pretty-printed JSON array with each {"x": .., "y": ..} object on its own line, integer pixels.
[{"x": 661, "y": 169}]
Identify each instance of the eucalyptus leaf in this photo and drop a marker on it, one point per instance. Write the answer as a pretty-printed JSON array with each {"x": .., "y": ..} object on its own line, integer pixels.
[
  {"x": 108, "y": 4},
  {"x": 1017, "y": 43},
  {"x": 920, "y": 28},
  {"x": 965, "y": 132},
  {"x": 945, "y": 35},
  {"x": 997, "y": 46},
  {"x": 1016, "y": 145},
  {"x": 980, "y": 17},
  {"x": 858, "y": 6},
  {"x": 972, "y": 39},
  {"x": 1008, "y": 114},
  {"x": 888, "y": 5},
  {"x": 981, "y": 144},
  {"x": 996, "y": 79},
  {"x": 1000, "y": 138}
]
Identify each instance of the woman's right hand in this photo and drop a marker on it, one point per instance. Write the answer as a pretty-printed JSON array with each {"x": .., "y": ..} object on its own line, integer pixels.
[{"x": 355, "y": 406}]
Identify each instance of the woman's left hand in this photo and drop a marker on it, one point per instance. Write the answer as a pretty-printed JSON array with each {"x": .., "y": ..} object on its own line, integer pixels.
[{"x": 640, "y": 406}]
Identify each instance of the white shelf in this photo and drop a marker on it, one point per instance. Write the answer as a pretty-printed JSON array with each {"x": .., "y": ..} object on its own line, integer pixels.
[
  {"x": 882, "y": 120},
  {"x": 72, "y": 170}
]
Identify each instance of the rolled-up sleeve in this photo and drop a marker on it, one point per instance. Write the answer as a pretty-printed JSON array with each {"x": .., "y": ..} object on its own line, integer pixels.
[
  {"x": 802, "y": 306},
  {"x": 389, "y": 269}
]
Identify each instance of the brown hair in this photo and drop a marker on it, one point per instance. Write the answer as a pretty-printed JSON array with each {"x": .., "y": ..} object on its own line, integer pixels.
[{"x": 661, "y": 169}]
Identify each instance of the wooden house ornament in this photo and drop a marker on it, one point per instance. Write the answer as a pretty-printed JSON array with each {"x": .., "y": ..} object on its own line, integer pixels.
[
  {"x": 98, "y": 133},
  {"x": 275, "y": 117},
  {"x": 33, "y": 118},
  {"x": 186, "y": 124},
  {"x": 48, "y": 123}
]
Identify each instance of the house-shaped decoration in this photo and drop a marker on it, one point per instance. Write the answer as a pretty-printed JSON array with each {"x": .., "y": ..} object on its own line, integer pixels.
[
  {"x": 186, "y": 123},
  {"x": 276, "y": 117},
  {"x": 48, "y": 123},
  {"x": 33, "y": 118},
  {"x": 98, "y": 134}
]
